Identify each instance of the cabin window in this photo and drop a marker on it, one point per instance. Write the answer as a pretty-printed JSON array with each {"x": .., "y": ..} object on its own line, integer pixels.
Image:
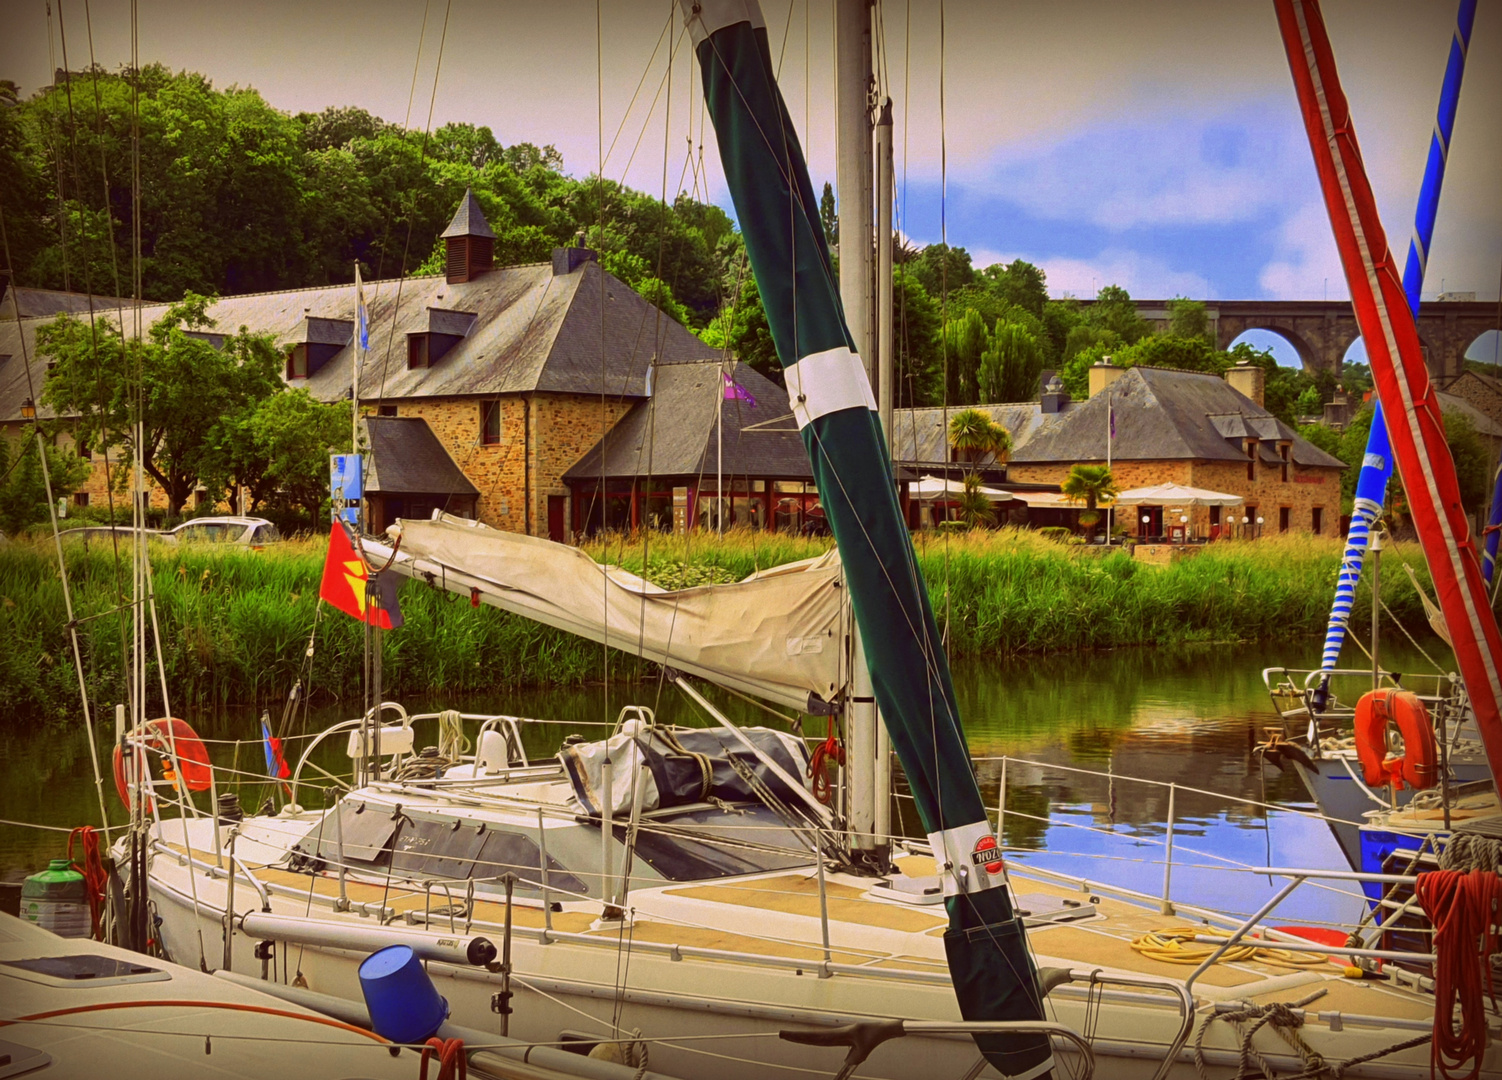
[
  {"x": 297, "y": 362},
  {"x": 1316, "y": 520},
  {"x": 1251, "y": 459},
  {"x": 490, "y": 423},
  {"x": 1283, "y": 452},
  {"x": 1283, "y": 515},
  {"x": 417, "y": 351}
]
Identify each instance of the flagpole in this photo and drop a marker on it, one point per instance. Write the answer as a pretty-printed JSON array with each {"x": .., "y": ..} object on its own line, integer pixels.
[
  {"x": 354, "y": 373},
  {"x": 1110, "y": 436}
]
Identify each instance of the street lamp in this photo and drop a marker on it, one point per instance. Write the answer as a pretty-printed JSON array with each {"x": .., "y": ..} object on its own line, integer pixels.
[
  {"x": 1184, "y": 521},
  {"x": 28, "y": 410},
  {"x": 1259, "y": 525},
  {"x": 1245, "y": 521},
  {"x": 1145, "y": 521}
]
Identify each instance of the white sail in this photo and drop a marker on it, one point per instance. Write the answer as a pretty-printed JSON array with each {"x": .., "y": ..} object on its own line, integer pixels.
[{"x": 776, "y": 635}]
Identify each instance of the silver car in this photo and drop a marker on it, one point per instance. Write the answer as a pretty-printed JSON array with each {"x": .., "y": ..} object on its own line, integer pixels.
[{"x": 252, "y": 532}]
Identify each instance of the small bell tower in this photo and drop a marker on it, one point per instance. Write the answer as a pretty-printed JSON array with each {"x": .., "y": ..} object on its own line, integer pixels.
[{"x": 469, "y": 242}]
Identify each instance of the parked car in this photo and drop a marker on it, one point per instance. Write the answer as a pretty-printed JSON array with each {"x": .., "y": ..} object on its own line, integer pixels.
[
  {"x": 105, "y": 533},
  {"x": 251, "y": 532}
]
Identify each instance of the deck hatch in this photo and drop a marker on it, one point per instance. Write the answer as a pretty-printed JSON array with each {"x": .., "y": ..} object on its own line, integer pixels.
[{"x": 85, "y": 969}]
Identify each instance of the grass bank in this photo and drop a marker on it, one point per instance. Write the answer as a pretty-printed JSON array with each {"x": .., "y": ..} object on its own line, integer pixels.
[{"x": 235, "y": 625}]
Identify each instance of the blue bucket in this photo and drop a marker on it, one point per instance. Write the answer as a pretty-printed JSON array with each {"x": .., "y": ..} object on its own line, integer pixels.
[{"x": 404, "y": 1004}]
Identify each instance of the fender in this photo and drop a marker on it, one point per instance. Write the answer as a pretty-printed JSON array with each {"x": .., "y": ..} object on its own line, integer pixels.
[
  {"x": 1418, "y": 766},
  {"x": 166, "y": 737}
]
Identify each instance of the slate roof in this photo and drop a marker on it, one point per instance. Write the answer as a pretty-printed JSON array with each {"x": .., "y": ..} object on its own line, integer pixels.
[
  {"x": 533, "y": 331},
  {"x": 406, "y": 458},
  {"x": 1483, "y": 424},
  {"x": 921, "y": 436},
  {"x": 469, "y": 219},
  {"x": 26, "y": 303},
  {"x": 673, "y": 434},
  {"x": 1162, "y": 415}
]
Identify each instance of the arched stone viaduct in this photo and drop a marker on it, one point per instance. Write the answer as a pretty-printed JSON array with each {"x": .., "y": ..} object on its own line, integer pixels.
[{"x": 1321, "y": 331}]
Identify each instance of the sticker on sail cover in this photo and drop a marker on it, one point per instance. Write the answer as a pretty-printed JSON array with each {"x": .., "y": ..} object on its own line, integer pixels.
[
  {"x": 986, "y": 854},
  {"x": 1373, "y": 461}
]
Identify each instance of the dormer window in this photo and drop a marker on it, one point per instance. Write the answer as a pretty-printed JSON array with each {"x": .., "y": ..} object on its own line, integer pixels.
[
  {"x": 1283, "y": 449},
  {"x": 317, "y": 342},
  {"x": 446, "y": 329},
  {"x": 1251, "y": 459}
]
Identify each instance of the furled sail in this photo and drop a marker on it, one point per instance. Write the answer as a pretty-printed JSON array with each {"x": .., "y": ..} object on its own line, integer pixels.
[
  {"x": 1414, "y": 423},
  {"x": 832, "y": 401},
  {"x": 775, "y": 635},
  {"x": 1377, "y": 463}
]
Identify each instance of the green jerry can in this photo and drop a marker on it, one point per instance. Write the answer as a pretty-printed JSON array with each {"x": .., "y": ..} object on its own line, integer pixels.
[{"x": 55, "y": 899}]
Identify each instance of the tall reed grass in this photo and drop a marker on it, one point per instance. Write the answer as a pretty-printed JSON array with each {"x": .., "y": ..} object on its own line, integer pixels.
[{"x": 235, "y": 625}]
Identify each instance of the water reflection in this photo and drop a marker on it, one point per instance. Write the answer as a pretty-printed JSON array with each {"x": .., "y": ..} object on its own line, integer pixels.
[{"x": 1184, "y": 717}]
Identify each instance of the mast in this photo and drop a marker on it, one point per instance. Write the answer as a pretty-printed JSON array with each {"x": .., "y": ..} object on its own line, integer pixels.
[
  {"x": 1416, "y": 427},
  {"x": 1377, "y": 461},
  {"x": 852, "y": 89},
  {"x": 830, "y": 393},
  {"x": 886, "y": 398}
]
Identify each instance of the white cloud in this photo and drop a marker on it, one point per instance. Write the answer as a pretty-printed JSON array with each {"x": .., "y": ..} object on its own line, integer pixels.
[
  {"x": 1185, "y": 167},
  {"x": 1141, "y": 275},
  {"x": 1308, "y": 264}
]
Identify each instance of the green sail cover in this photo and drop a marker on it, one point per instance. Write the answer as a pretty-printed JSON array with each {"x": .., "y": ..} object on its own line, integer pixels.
[{"x": 831, "y": 398}]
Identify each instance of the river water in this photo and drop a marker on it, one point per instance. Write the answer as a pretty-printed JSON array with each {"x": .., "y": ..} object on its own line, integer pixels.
[{"x": 1186, "y": 717}]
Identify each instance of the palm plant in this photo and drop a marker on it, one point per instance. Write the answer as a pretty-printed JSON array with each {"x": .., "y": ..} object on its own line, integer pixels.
[
  {"x": 974, "y": 434},
  {"x": 1089, "y": 484}
]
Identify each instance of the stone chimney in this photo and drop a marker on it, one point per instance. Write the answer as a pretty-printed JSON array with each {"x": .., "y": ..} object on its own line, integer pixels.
[
  {"x": 469, "y": 242},
  {"x": 1337, "y": 411},
  {"x": 1248, "y": 379},
  {"x": 1054, "y": 398},
  {"x": 1103, "y": 375}
]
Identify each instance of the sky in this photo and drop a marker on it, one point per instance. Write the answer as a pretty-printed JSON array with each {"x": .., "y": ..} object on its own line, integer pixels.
[{"x": 1154, "y": 145}]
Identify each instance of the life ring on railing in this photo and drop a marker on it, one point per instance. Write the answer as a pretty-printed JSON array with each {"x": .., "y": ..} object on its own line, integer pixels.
[
  {"x": 165, "y": 736},
  {"x": 1418, "y": 768}
]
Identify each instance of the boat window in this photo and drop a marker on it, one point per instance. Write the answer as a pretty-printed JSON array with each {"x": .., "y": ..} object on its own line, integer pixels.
[
  {"x": 367, "y": 832},
  {"x": 707, "y": 844}
]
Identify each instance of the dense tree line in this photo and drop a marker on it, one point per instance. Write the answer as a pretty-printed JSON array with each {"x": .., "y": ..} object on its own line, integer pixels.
[{"x": 236, "y": 196}]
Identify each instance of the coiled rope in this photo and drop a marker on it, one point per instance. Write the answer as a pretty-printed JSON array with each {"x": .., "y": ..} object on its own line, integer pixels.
[
  {"x": 453, "y": 1064},
  {"x": 1464, "y": 908},
  {"x": 95, "y": 880},
  {"x": 1176, "y": 945}
]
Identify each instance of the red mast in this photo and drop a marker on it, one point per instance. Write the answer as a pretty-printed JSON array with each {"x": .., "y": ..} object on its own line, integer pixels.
[{"x": 1398, "y": 368}]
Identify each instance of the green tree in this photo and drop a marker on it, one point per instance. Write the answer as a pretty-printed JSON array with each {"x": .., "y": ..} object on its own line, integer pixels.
[
  {"x": 23, "y": 489},
  {"x": 976, "y": 436},
  {"x": 1020, "y": 284},
  {"x": 919, "y": 369},
  {"x": 965, "y": 340},
  {"x": 1189, "y": 319},
  {"x": 942, "y": 269},
  {"x": 1114, "y": 311},
  {"x": 1090, "y": 484},
  {"x": 185, "y": 387},
  {"x": 295, "y": 434},
  {"x": 828, "y": 218},
  {"x": 1010, "y": 366}
]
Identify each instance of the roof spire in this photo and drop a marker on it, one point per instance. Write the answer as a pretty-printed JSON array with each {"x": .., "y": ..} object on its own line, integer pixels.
[{"x": 469, "y": 219}]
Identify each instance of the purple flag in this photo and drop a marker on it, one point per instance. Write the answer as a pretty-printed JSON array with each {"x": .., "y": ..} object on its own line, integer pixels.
[{"x": 734, "y": 391}]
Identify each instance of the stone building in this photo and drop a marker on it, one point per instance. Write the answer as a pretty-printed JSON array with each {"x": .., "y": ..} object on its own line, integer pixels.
[
  {"x": 708, "y": 427},
  {"x": 515, "y": 373},
  {"x": 1196, "y": 430}
]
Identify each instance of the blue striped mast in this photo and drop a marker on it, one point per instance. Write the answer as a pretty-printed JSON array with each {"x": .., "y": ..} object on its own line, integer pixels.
[{"x": 1377, "y": 462}]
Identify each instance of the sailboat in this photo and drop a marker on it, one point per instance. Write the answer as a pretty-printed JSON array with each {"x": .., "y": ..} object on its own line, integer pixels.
[{"x": 685, "y": 892}]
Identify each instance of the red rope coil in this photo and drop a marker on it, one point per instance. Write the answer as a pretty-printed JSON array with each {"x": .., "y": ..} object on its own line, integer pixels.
[
  {"x": 449, "y": 1053},
  {"x": 818, "y": 771},
  {"x": 1464, "y": 908},
  {"x": 95, "y": 880}
]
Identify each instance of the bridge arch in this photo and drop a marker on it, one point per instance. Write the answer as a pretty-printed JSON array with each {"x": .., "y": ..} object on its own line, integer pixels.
[
  {"x": 1486, "y": 348},
  {"x": 1257, "y": 335}
]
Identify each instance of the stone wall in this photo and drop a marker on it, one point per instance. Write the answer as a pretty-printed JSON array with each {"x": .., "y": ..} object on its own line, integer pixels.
[
  {"x": 1306, "y": 489},
  {"x": 542, "y": 436}
]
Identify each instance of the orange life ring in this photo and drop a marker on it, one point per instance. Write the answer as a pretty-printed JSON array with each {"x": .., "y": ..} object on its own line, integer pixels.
[
  {"x": 1418, "y": 768},
  {"x": 166, "y": 736}
]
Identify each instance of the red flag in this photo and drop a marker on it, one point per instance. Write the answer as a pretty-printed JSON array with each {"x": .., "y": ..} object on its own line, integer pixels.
[{"x": 345, "y": 577}]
